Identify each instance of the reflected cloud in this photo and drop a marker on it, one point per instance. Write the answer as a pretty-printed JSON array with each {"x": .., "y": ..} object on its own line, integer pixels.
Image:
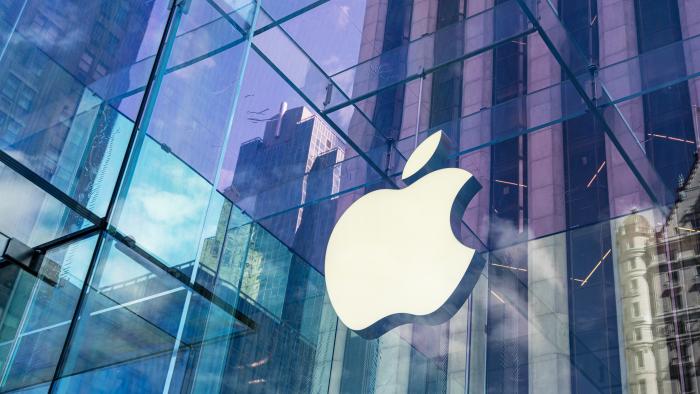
[{"x": 165, "y": 206}]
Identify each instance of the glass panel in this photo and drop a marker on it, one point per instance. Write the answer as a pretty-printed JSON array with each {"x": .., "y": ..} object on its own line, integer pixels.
[
  {"x": 139, "y": 307},
  {"x": 617, "y": 126},
  {"x": 544, "y": 107},
  {"x": 353, "y": 123},
  {"x": 194, "y": 106},
  {"x": 233, "y": 256},
  {"x": 291, "y": 346},
  {"x": 659, "y": 67},
  {"x": 409, "y": 60},
  {"x": 335, "y": 45},
  {"x": 166, "y": 205},
  {"x": 266, "y": 272},
  {"x": 280, "y": 9},
  {"x": 168, "y": 194},
  {"x": 36, "y": 314},
  {"x": 272, "y": 166},
  {"x": 32, "y": 215},
  {"x": 51, "y": 120},
  {"x": 209, "y": 276},
  {"x": 214, "y": 238},
  {"x": 587, "y": 181}
]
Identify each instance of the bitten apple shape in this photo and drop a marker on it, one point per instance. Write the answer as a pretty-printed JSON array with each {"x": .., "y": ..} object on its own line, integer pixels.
[{"x": 393, "y": 257}]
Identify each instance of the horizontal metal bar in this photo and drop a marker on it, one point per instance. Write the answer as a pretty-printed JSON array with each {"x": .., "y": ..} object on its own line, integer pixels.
[
  {"x": 48, "y": 188},
  {"x": 68, "y": 238},
  {"x": 130, "y": 248},
  {"x": 592, "y": 106},
  {"x": 429, "y": 70}
]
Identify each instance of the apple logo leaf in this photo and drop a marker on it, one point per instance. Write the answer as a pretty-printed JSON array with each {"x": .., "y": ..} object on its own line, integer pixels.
[
  {"x": 429, "y": 156},
  {"x": 393, "y": 257}
]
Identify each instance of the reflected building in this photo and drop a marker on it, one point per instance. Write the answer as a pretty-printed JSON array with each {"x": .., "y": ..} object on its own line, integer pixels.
[
  {"x": 636, "y": 266},
  {"x": 273, "y": 173},
  {"x": 279, "y": 290},
  {"x": 659, "y": 276},
  {"x": 677, "y": 287},
  {"x": 49, "y": 113},
  {"x": 48, "y": 65},
  {"x": 560, "y": 175}
]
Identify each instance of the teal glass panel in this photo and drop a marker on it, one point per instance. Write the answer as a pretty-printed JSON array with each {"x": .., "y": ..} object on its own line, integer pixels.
[
  {"x": 233, "y": 256},
  {"x": 213, "y": 240},
  {"x": 165, "y": 206},
  {"x": 145, "y": 304},
  {"x": 37, "y": 312},
  {"x": 291, "y": 347},
  {"x": 266, "y": 271}
]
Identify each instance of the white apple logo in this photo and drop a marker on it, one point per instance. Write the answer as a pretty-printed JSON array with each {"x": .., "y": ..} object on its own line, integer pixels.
[{"x": 393, "y": 257}]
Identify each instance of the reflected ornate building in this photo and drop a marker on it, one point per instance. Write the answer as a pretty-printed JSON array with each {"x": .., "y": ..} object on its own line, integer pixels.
[
  {"x": 659, "y": 276},
  {"x": 636, "y": 260},
  {"x": 677, "y": 285}
]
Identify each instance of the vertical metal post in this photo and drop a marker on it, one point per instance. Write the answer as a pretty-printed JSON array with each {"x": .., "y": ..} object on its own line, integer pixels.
[
  {"x": 63, "y": 356},
  {"x": 420, "y": 102},
  {"x": 159, "y": 62},
  {"x": 143, "y": 117},
  {"x": 212, "y": 194},
  {"x": 696, "y": 122}
]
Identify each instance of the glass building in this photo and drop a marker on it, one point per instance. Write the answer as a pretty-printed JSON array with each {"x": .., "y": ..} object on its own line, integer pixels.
[{"x": 171, "y": 170}]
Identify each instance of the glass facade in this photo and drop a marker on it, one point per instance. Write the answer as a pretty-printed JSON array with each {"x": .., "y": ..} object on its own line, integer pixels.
[{"x": 171, "y": 171}]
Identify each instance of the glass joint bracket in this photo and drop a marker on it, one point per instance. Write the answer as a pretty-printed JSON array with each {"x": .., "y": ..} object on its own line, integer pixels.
[
  {"x": 127, "y": 246},
  {"x": 30, "y": 260},
  {"x": 590, "y": 103},
  {"x": 72, "y": 237},
  {"x": 183, "y": 4}
]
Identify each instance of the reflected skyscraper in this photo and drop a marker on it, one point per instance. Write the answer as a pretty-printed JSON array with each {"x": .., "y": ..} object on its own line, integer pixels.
[
  {"x": 276, "y": 172},
  {"x": 279, "y": 289},
  {"x": 48, "y": 65}
]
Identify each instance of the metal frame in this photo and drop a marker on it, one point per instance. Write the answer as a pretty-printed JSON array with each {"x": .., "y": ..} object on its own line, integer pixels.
[
  {"x": 100, "y": 226},
  {"x": 592, "y": 106},
  {"x": 166, "y": 40}
]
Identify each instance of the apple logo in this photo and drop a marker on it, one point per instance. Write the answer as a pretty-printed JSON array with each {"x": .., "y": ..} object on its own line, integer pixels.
[{"x": 393, "y": 257}]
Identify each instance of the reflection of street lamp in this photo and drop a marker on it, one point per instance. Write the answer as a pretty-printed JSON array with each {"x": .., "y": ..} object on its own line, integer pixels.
[
  {"x": 595, "y": 175},
  {"x": 595, "y": 268}
]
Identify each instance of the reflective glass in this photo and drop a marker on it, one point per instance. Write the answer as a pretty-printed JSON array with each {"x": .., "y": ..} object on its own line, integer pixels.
[
  {"x": 51, "y": 118},
  {"x": 177, "y": 169},
  {"x": 166, "y": 200},
  {"x": 129, "y": 292},
  {"x": 30, "y": 214},
  {"x": 37, "y": 313}
]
